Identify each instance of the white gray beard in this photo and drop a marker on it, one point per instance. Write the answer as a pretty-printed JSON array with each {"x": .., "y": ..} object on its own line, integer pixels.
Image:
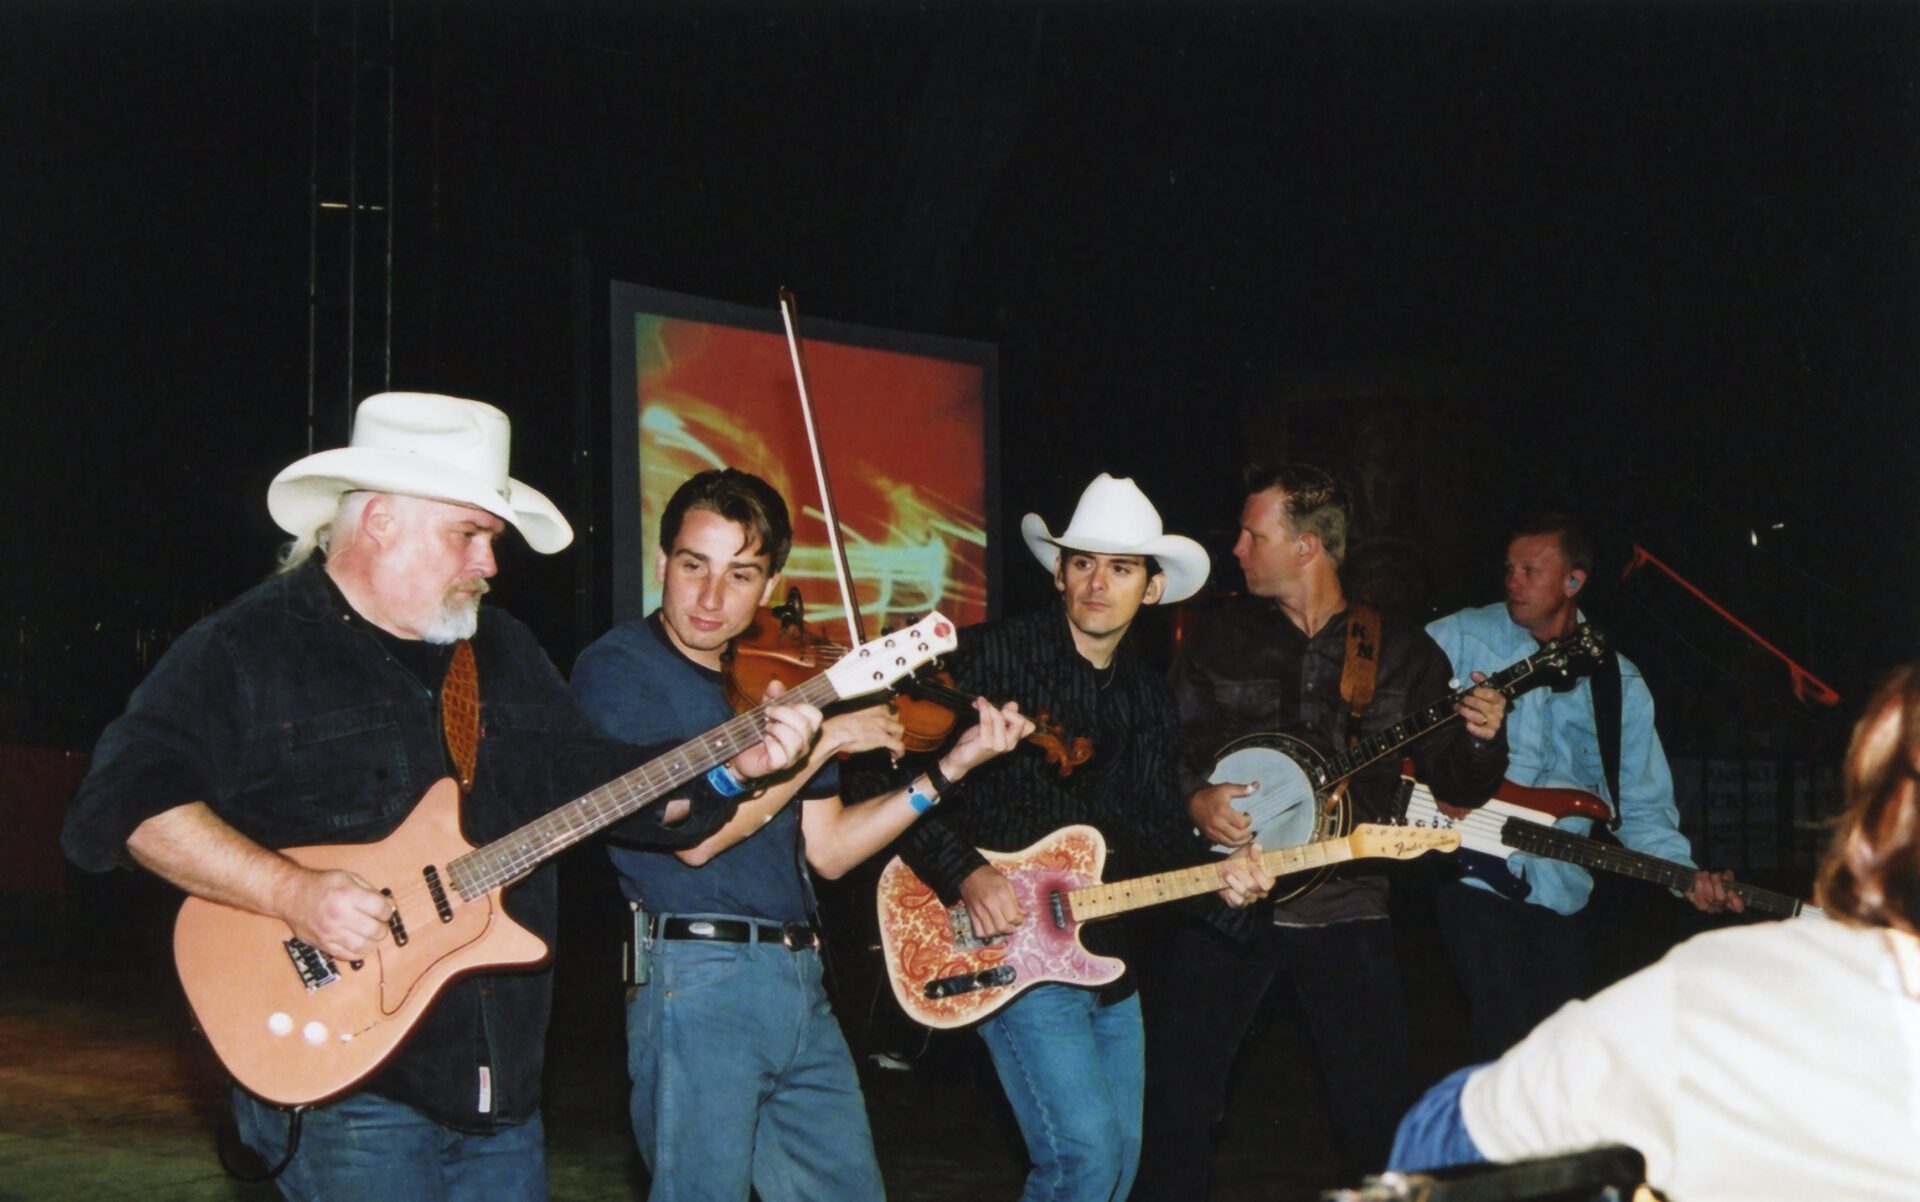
[{"x": 458, "y": 620}]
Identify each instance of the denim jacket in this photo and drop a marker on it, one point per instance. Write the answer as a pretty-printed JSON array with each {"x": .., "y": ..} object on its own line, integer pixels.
[{"x": 297, "y": 726}]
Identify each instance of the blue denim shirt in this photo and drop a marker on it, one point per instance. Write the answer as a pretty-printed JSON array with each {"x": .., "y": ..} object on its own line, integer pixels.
[
  {"x": 1554, "y": 742},
  {"x": 298, "y": 726}
]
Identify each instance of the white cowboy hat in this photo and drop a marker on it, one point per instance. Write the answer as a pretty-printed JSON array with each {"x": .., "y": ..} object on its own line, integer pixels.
[
  {"x": 419, "y": 444},
  {"x": 1115, "y": 518}
]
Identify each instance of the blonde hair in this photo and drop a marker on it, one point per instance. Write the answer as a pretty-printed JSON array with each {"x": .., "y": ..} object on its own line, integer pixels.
[{"x": 1871, "y": 873}]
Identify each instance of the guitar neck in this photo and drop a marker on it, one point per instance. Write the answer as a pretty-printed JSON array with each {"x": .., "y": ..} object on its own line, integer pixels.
[
  {"x": 1383, "y": 743},
  {"x": 1574, "y": 849},
  {"x": 513, "y": 856},
  {"x": 1117, "y": 897}
]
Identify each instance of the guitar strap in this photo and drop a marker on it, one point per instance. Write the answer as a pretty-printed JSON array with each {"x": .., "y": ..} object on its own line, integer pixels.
[
  {"x": 1607, "y": 702},
  {"x": 1358, "y": 673},
  {"x": 1362, "y": 666},
  {"x": 460, "y": 713}
]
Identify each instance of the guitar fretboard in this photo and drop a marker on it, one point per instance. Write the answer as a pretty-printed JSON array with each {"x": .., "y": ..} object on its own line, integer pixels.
[
  {"x": 1557, "y": 844},
  {"x": 1584, "y": 642},
  {"x": 1100, "y": 901},
  {"x": 513, "y": 856}
]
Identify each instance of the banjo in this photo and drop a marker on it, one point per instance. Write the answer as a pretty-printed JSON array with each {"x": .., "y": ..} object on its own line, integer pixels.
[{"x": 1302, "y": 796}]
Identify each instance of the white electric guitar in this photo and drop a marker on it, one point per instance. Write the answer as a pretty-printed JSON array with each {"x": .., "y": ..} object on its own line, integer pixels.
[
  {"x": 1520, "y": 818},
  {"x": 1300, "y": 798}
]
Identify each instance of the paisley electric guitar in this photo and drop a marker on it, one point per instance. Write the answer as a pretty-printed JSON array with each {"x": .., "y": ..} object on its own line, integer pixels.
[
  {"x": 945, "y": 976},
  {"x": 294, "y": 1025}
]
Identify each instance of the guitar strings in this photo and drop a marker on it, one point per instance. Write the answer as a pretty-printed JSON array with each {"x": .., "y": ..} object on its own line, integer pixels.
[
  {"x": 474, "y": 873},
  {"x": 1491, "y": 826}
]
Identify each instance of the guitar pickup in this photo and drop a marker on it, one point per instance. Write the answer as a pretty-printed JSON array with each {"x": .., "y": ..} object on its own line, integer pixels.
[
  {"x": 315, "y": 967},
  {"x": 394, "y": 922},
  {"x": 439, "y": 893},
  {"x": 969, "y": 982}
]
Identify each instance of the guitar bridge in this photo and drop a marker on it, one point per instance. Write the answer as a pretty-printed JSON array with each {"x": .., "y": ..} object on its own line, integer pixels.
[
  {"x": 963, "y": 937},
  {"x": 315, "y": 967}
]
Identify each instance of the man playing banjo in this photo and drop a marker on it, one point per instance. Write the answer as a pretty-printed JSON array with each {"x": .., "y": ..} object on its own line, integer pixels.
[{"x": 1294, "y": 656}]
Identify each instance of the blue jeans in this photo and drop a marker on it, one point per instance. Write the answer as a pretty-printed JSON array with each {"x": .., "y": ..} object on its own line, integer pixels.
[
  {"x": 1074, "y": 1071},
  {"x": 742, "y": 1077},
  {"x": 1434, "y": 1134},
  {"x": 365, "y": 1146}
]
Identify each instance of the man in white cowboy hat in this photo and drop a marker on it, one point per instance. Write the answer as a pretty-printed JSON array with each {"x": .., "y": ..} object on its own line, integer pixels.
[
  {"x": 1072, "y": 1060},
  {"x": 309, "y": 711},
  {"x": 1280, "y": 660}
]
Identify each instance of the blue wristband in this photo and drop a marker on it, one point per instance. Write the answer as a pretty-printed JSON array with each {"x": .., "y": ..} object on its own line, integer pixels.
[
  {"x": 920, "y": 802},
  {"x": 724, "y": 784}
]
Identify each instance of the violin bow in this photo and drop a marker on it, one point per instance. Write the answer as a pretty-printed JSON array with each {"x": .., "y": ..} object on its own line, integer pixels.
[{"x": 790, "y": 314}]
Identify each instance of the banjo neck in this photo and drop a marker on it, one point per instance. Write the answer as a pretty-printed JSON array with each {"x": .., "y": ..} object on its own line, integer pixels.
[{"x": 1584, "y": 645}]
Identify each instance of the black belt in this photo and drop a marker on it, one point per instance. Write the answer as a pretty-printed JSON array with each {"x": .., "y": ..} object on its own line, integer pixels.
[{"x": 797, "y": 936}]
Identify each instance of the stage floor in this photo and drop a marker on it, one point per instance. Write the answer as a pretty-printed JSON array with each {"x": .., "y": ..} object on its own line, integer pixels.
[{"x": 107, "y": 1092}]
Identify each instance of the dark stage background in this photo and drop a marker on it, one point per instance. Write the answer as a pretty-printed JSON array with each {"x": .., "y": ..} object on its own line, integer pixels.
[
  {"x": 1656, "y": 262},
  {"x": 1652, "y": 261}
]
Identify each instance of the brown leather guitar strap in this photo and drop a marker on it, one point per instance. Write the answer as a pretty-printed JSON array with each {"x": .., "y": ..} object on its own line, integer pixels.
[
  {"x": 460, "y": 713},
  {"x": 1358, "y": 673}
]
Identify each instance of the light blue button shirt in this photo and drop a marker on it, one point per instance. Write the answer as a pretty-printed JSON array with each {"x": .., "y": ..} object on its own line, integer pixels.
[{"x": 1552, "y": 743}]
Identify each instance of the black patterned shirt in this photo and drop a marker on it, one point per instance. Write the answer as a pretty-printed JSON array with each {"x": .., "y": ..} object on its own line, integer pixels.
[{"x": 1129, "y": 790}]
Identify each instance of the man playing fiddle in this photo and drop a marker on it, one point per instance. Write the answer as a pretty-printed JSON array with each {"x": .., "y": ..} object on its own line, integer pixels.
[
  {"x": 1072, "y": 1060},
  {"x": 741, "y": 1077}
]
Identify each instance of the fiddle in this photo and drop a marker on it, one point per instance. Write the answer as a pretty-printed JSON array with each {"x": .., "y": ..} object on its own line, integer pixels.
[
  {"x": 782, "y": 646},
  {"x": 789, "y": 645}
]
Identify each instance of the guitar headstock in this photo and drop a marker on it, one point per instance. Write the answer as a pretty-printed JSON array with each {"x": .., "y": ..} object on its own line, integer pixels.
[
  {"x": 1379, "y": 841},
  {"x": 1581, "y": 648},
  {"x": 890, "y": 658}
]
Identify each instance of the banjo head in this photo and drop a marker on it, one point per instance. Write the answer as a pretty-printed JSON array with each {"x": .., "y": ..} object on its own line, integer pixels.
[{"x": 1284, "y": 810}]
